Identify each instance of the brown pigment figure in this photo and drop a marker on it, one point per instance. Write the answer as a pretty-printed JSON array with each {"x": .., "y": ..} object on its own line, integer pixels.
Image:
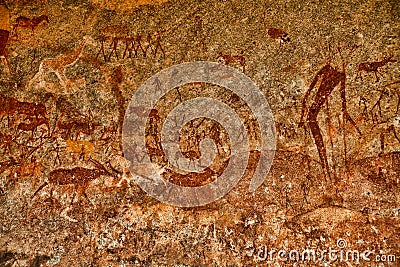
[
  {"x": 276, "y": 33},
  {"x": 129, "y": 46},
  {"x": 3, "y": 42},
  {"x": 79, "y": 177},
  {"x": 280, "y": 34},
  {"x": 102, "y": 40},
  {"x": 330, "y": 78},
  {"x": 373, "y": 67},
  {"x": 138, "y": 39},
  {"x": 229, "y": 59},
  {"x": 114, "y": 46},
  {"x": 199, "y": 31},
  {"x": 24, "y": 22},
  {"x": 158, "y": 44}
]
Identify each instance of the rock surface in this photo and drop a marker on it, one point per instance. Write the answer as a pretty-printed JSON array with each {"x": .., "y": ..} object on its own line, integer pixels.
[{"x": 67, "y": 196}]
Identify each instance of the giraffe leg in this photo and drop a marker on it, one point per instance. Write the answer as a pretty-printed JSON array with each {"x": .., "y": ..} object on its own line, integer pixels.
[
  {"x": 38, "y": 76},
  {"x": 7, "y": 63},
  {"x": 62, "y": 79}
]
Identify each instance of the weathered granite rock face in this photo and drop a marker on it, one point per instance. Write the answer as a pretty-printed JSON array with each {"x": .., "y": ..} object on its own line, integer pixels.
[{"x": 69, "y": 68}]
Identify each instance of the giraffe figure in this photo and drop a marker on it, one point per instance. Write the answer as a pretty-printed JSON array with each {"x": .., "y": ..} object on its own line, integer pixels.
[{"x": 58, "y": 66}]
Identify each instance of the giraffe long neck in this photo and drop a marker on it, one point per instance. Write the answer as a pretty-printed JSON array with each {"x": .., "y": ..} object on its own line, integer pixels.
[
  {"x": 69, "y": 59},
  {"x": 37, "y": 20}
]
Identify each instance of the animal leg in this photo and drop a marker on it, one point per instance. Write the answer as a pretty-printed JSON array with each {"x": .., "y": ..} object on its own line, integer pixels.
[
  {"x": 114, "y": 45},
  {"x": 126, "y": 49},
  {"x": 382, "y": 140},
  {"x": 115, "y": 48},
  {"x": 51, "y": 192},
  {"x": 141, "y": 48},
  {"x": 73, "y": 198},
  {"x": 376, "y": 76},
  {"x": 318, "y": 139},
  {"x": 38, "y": 76},
  {"x": 358, "y": 75},
  {"x": 86, "y": 197},
  {"x": 130, "y": 49},
  {"x": 162, "y": 50},
  {"x": 64, "y": 81},
  {"x": 398, "y": 102},
  {"x": 155, "y": 50},
  {"x": 57, "y": 158},
  {"x": 40, "y": 188},
  {"x": 7, "y": 63},
  {"x": 101, "y": 50},
  {"x": 392, "y": 129},
  {"x": 136, "y": 48},
  {"x": 64, "y": 214}
]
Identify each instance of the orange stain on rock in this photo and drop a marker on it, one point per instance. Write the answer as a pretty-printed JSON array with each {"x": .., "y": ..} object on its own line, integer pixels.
[
  {"x": 4, "y": 18},
  {"x": 125, "y": 5}
]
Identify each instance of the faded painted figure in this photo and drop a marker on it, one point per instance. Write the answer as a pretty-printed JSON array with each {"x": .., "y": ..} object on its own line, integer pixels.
[
  {"x": 330, "y": 78},
  {"x": 3, "y": 42}
]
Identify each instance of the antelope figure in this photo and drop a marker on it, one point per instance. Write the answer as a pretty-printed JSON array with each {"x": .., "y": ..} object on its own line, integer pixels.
[
  {"x": 58, "y": 66},
  {"x": 230, "y": 59},
  {"x": 24, "y": 22},
  {"x": 374, "y": 66},
  {"x": 79, "y": 177}
]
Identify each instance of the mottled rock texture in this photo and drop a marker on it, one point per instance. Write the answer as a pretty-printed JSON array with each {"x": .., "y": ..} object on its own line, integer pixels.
[{"x": 65, "y": 82}]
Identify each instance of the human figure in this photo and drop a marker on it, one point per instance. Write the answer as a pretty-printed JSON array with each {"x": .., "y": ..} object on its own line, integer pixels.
[
  {"x": 330, "y": 78},
  {"x": 158, "y": 44}
]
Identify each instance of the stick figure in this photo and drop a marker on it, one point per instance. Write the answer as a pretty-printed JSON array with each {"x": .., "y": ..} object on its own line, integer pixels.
[{"x": 158, "y": 44}]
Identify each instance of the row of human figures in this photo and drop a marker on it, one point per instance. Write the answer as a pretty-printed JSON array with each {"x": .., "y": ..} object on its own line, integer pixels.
[{"x": 133, "y": 46}]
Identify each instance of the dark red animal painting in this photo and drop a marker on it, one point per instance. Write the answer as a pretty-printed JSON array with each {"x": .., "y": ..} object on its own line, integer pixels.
[
  {"x": 3, "y": 43},
  {"x": 24, "y": 22}
]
